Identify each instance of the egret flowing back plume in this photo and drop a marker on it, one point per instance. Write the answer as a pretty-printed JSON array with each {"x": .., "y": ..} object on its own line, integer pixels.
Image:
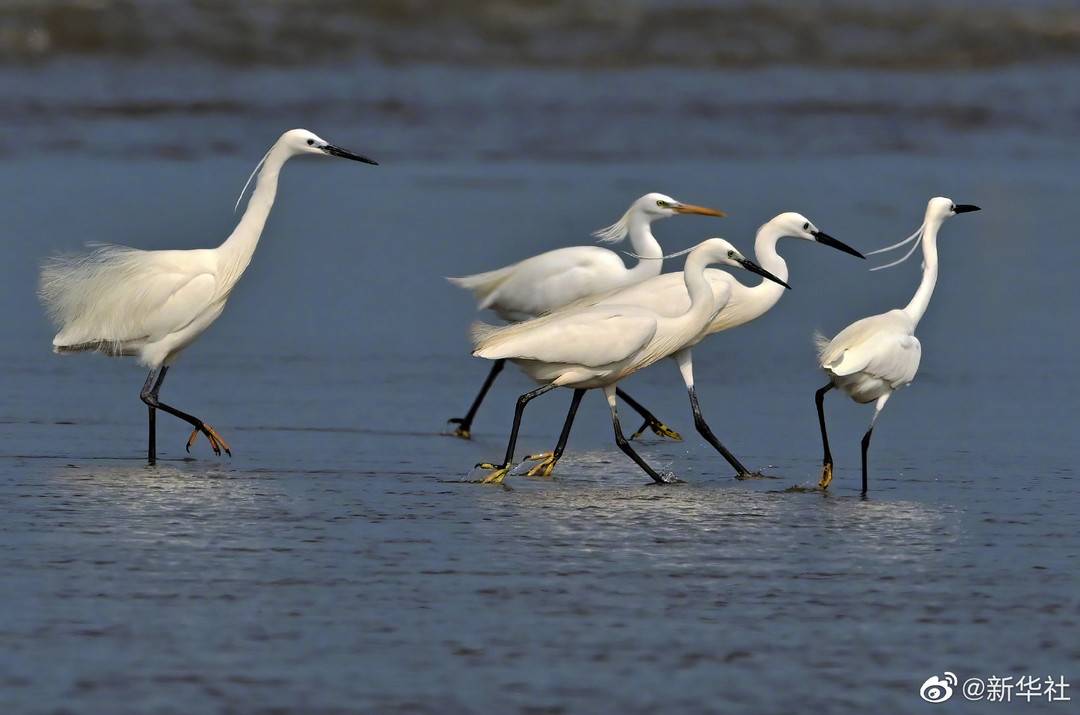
[
  {"x": 80, "y": 296},
  {"x": 661, "y": 258},
  {"x": 916, "y": 237},
  {"x": 252, "y": 176},
  {"x": 615, "y": 232}
]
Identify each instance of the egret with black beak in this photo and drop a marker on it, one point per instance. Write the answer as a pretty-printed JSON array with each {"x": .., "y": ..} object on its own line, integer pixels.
[
  {"x": 151, "y": 305},
  {"x": 553, "y": 279},
  {"x": 872, "y": 357},
  {"x": 666, "y": 294},
  {"x": 597, "y": 346}
]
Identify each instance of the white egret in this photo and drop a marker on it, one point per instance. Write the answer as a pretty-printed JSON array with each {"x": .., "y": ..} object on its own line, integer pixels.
[
  {"x": 124, "y": 301},
  {"x": 872, "y": 357},
  {"x": 550, "y": 280},
  {"x": 667, "y": 295},
  {"x": 597, "y": 346}
]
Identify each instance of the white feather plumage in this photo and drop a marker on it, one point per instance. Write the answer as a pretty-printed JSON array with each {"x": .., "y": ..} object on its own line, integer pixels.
[
  {"x": 113, "y": 298},
  {"x": 124, "y": 301},
  {"x": 152, "y": 304},
  {"x": 593, "y": 346},
  {"x": 550, "y": 280}
]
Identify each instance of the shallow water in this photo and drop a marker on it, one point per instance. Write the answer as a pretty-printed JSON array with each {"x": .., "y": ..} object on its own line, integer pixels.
[{"x": 341, "y": 562}]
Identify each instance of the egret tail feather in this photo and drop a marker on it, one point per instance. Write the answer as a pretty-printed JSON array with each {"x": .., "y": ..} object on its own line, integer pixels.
[
  {"x": 821, "y": 343},
  {"x": 484, "y": 285}
]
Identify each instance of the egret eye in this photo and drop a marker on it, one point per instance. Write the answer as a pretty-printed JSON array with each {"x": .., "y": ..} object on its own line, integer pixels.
[
  {"x": 806, "y": 226},
  {"x": 731, "y": 254},
  {"x": 310, "y": 142},
  {"x": 661, "y": 203}
]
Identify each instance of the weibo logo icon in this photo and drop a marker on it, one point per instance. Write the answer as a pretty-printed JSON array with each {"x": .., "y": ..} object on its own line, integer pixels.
[{"x": 938, "y": 690}]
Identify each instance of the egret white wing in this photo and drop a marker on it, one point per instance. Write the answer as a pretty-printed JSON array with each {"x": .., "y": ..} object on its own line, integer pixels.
[
  {"x": 889, "y": 355},
  {"x": 664, "y": 294},
  {"x": 179, "y": 304},
  {"x": 553, "y": 279},
  {"x": 854, "y": 335},
  {"x": 592, "y": 337},
  {"x": 116, "y": 294}
]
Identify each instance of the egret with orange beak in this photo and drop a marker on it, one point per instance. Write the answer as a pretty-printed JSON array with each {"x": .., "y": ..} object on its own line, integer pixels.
[{"x": 551, "y": 280}]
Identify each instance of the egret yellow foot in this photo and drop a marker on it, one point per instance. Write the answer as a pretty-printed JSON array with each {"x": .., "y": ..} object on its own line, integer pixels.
[
  {"x": 659, "y": 429},
  {"x": 462, "y": 430},
  {"x": 546, "y": 464},
  {"x": 826, "y": 476},
  {"x": 496, "y": 475},
  {"x": 217, "y": 443}
]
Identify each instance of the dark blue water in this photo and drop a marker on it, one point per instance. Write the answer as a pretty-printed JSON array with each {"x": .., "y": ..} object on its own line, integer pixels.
[{"x": 341, "y": 561}]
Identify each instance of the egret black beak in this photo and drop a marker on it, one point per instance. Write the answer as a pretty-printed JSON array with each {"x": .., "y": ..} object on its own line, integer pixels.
[
  {"x": 826, "y": 239},
  {"x": 338, "y": 151},
  {"x": 702, "y": 210},
  {"x": 755, "y": 268},
  {"x": 965, "y": 208}
]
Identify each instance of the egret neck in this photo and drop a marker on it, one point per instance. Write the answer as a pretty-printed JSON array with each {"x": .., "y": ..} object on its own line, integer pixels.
[
  {"x": 919, "y": 302},
  {"x": 767, "y": 293},
  {"x": 646, "y": 246},
  {"x": 237, "y": 249},
  {"x": 703, "y": 303}
]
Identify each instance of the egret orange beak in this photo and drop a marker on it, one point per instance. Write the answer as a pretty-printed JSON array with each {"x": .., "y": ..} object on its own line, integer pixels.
[{"x": 702, "y": 210}]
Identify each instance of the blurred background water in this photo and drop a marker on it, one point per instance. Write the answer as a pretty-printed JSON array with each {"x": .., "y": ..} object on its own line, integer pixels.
[{"x": 339, "y": 563}]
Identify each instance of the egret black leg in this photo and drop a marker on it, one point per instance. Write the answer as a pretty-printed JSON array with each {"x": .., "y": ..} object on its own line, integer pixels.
[
  {"x": 549, "y": 459},
  {"x": 651, "y": 421},
  {"x": 826, "y": 460},
  {"x": 866, "y": 437},
  {"x": 499, "y": 471},
  {"x": 150, "y": 388},
  {"x": 624, "y": 444},
  {"x": 464, "y": 424},
  {"x": 865, "y": 449},
  {"x": 703, "y": 429},
  {"x": 149, "y": 395}
]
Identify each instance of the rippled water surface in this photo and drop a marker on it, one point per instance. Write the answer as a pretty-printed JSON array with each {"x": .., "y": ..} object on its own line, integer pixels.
[{"x": 342, "y": 562}]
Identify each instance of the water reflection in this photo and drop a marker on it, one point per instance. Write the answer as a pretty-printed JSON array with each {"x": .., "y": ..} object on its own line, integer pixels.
[
  {"x": 716, "y": 522},
  {"x": 178, "y": 501}
]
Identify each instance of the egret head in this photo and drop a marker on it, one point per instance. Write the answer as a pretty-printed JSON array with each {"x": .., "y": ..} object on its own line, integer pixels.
[
  {"x": 297, "y": 142},
  {"x": 940, "y": 208},
  {"x": 937, "y": 210},
  {"x": 796, "y": 225},
  {"x": 656, "y": 206},
  {"x": 651, "y": 207},
  {"x": 301, "y": 141},
  {"x": 718, "y": 250}
]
